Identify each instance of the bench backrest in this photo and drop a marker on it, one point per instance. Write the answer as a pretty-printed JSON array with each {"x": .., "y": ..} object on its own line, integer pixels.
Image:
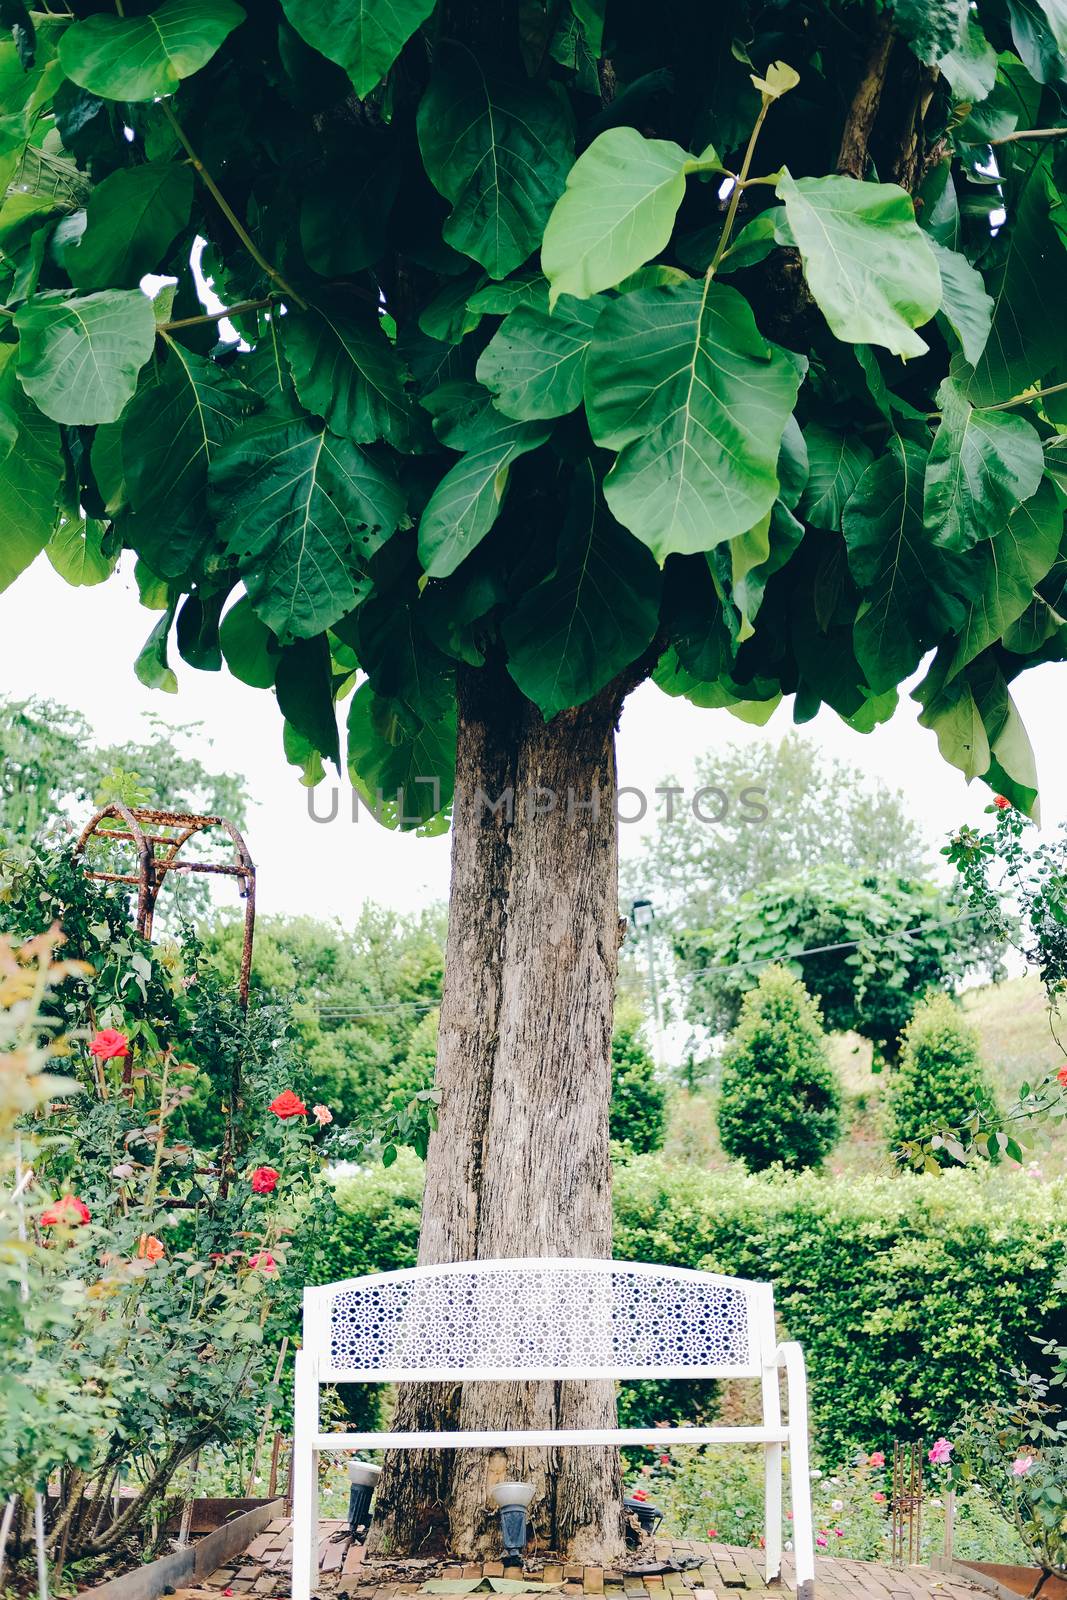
[{"x": 538, "y": 1318}]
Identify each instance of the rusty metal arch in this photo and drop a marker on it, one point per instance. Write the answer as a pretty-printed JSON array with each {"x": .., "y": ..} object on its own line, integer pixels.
[{"x": 157, "y": 855}]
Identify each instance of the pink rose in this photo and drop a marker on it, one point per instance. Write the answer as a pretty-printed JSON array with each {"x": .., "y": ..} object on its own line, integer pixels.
[
  {"x": 940, "y": 1454},
  {"x": 821, "y": 1540},
  {"x": 878, "y": 1497},
  {"x": 322, "y": 1115},
  {"x": 876, "y": 1459},
  {"x": 264, "y": 1262},
  {"x": 1021, "y": 1466}
]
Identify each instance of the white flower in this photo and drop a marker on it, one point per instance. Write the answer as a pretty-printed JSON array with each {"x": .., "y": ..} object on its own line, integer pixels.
[{"x": 837, "y": 1505}]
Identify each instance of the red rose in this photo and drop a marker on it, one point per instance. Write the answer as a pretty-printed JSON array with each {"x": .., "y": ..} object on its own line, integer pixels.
[
  {"x": 639, "y": 1494},
  {"x": 68, "y": 1211},
  {"x": 1002, "y": 802},
  {"x": 1062, "y": 1076},
  {"x": 288, "y": 1104},
  {"x": 109, "y": 1044},
  {"x": 264, "y": 1180},
  {"x": 263, "y": 1261},
  {"x": 664, "y": 1461}
]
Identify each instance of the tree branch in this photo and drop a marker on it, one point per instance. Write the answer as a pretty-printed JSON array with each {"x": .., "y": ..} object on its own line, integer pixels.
[
  {"x": 859, "y": 124},
  {"x": 227, "y": 210}
]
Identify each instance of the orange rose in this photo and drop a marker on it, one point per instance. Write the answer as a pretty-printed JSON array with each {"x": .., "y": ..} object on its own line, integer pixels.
[{"x": 150, "y": 1248}]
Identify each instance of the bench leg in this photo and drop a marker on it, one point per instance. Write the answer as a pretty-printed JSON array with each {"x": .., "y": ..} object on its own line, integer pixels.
[
  {"x": 305, "y": 1480},
  {"x": 772, "y": 1511}
]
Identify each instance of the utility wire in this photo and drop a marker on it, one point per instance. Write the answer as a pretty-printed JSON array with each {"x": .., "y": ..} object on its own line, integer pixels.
[{"x": 362, "y": 1013}]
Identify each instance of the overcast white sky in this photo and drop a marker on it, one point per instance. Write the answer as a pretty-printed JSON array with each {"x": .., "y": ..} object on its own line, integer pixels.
[{"x": 78, "y": 646}]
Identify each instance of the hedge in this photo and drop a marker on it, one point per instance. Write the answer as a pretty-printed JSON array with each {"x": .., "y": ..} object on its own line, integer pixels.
[{"x": 911, "y": 1294}]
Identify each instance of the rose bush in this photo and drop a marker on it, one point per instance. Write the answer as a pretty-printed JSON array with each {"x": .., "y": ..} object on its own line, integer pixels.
[{"x": 141, "y": 1319}]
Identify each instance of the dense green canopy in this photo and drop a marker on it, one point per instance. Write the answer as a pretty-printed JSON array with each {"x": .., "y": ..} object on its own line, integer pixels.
[{"x": 727, "y": 340}]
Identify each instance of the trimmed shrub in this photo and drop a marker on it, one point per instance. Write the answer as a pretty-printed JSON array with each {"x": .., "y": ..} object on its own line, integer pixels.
[
  {"x": 779, "y": 1100},
  {"x": 940, "y": 1080},
  {"x": 912, "y": 1295},
  {"x": 638, "y": 1099}
]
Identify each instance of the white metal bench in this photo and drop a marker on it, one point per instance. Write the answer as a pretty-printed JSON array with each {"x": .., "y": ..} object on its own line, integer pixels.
[{"x": 546, "y": 1318}]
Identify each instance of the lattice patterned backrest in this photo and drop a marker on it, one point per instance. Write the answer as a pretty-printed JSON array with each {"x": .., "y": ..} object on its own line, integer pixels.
[{"x": 538, "y": 1318}]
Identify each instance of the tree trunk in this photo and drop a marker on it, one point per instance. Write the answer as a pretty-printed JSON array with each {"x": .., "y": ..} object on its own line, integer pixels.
[{"x": 519, "y": 1164}]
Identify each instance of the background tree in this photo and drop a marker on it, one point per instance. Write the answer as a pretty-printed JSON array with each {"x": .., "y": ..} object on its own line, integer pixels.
[
  {"x": 53, "y": 768},
  {"x": 357, "y": 996},
  {"x": 940, "y": 1081},
  {"x": 878, "y": 942},
  {"x": 576, "y": 383},
  {"x": 784, "y": 808},
  {"x": 778, "y": 1100},
  {"x": 638, "y": 1099}
]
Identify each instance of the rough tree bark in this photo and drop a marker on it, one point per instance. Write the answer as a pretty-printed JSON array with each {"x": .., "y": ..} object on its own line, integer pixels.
[{"x": 519, "y": 1164}]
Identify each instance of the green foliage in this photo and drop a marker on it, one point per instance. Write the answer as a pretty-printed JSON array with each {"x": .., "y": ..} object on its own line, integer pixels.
[
  {"x": 770, "y": 803},
  {"x": 638, "y": 1117},
  {"x": 719, "y": 1491},
  {"x": 1012, "y": 1448},
  {"x": 779, "y": 1099},
  {"x": 939, "y": 1081},
  {"x": 879, "y": 941},
  {"x": 359, "y": 1000},
  {"x": 838, "y": 226},
  {"x": 712, "y": 357},
  {"x": 911, "y": 1297}
]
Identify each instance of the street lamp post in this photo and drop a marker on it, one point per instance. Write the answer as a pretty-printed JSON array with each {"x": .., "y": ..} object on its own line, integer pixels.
[{"x": 642, "y": 915}]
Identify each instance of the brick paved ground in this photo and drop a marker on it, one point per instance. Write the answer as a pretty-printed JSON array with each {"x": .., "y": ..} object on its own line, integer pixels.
[{"x": 695, "y": 1571}]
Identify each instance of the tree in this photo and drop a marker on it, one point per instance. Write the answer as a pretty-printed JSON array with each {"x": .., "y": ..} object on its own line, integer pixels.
[
  {"x": 588, "y": 371},
  {"x": 356, "y": 997},
  {"x": 779, "y": 1099},
  {"x": 940, "y": 1081},
  {"x": 877, "y": 943},
  {"x": 767, "y": 811},
  {"x": 638, "y": 1116}
]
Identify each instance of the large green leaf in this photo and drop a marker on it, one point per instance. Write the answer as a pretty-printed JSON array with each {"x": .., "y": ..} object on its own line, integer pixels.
[
  {"x": 362, "y": 36},
  {"x": 931, "y": 27},
  {"x": 30, "y": 477},
  {"x": 75, "y": 551},
  {"x": 304, "y": 686},
  {"x": 965, "y": 304},
  {"x": 836, "y": 462},
  {"x": 79, "y": 358},
  {"x": 246, "y": 643},
  {"x": 175, "y": 424},
  {"x": 867, "y": 262},
  {"x": 982, "y": 465},
  {"x": 594, "y": 614},
  {"x": 617, "y": 211},
  {"x": 346, "y": 371},
  {"x": 971, "y": 67},
  {"x": 1009, "y": 568},
  {"x": 298, "y": 508},
  {"x": 1039, "y": 33},
  {"x": 682, "y": 383},
  {"x": 903, "y": 576},
  {"x": 403, "y": 768},
  {"x": 1029, "y": 325},
  {"x": 950, "y": 709},
  {"x": 132, "y": 217},
  {"x": 535, "y": 362},
  {"x": 467, "y": 501},
  {"x": 141, "y": 58},
  {"x": 499, "y": 151}
]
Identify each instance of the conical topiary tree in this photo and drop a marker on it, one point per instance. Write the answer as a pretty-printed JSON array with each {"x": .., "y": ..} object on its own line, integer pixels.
[
  {"x": 779, "y": 1099},
  {"x": 940, "y": 1081}
]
